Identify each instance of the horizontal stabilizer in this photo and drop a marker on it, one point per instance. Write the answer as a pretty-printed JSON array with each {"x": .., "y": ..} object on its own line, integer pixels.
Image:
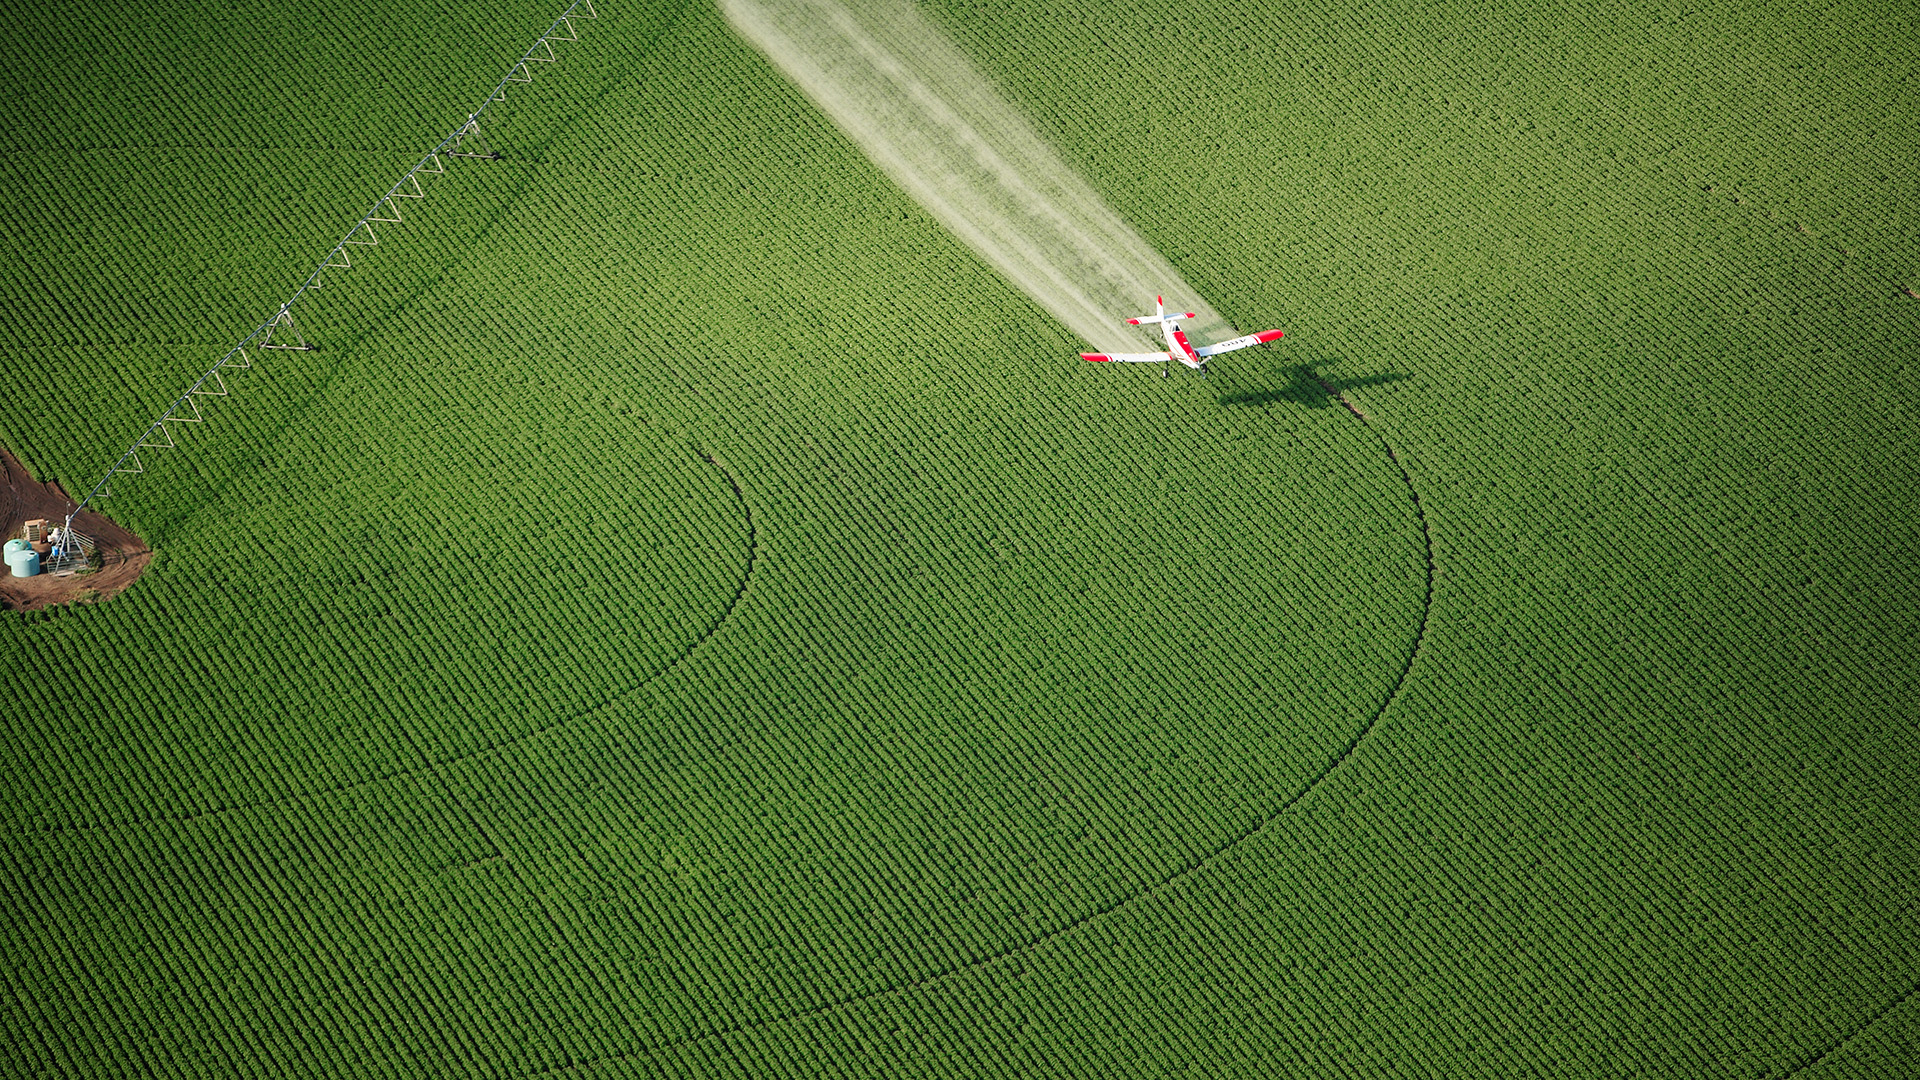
[
  {"x": 1127, "y": 357},
  {"x": 1175, "y": 317}
]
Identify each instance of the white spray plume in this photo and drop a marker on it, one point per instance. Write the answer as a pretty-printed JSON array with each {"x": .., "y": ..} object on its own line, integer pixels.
[{"x": 890, "y": 78}]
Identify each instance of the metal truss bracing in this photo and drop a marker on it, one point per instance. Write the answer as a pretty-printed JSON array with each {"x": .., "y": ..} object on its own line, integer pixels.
[
  {"x": 468, "y": 142},
  {"x": 279, "y": 331},
  {"x": 72, "y": 552},
  {"x": 284, "y": 319}
]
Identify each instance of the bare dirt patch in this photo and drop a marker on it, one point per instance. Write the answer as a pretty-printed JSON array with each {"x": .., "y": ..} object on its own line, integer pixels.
[{"x": 22, "y": 498}]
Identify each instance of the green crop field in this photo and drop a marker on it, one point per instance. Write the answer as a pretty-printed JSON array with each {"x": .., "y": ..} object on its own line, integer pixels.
[{"x": 692, "y": 617}]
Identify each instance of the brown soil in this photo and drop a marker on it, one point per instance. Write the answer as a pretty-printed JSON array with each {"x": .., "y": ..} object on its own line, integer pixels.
[{"x": 22, "y": 498}]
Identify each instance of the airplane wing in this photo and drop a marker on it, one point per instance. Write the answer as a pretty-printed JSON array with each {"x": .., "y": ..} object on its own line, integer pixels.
[
  {"x": 1240, "y": 343},
  {"x": 1128, "y": 357}
]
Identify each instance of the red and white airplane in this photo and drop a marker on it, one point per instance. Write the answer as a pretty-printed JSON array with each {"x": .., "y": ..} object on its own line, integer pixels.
[{"x": 1178, "y": 347}]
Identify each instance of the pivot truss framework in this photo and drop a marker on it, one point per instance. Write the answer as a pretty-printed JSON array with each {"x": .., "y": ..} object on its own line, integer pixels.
[{"x": 279, "y": 331}]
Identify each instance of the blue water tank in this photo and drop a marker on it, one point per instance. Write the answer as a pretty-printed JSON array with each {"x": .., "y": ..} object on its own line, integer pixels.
[
  {"x": 16, "y": 544},
  {"x": 23, "y": 562}
]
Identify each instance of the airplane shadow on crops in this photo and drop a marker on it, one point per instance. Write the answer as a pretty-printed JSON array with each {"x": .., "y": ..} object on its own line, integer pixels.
[{"x": 1303, "y": 384}]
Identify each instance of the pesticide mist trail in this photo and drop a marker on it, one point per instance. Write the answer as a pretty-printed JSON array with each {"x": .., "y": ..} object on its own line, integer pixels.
[{"x": 891, "y": 80}]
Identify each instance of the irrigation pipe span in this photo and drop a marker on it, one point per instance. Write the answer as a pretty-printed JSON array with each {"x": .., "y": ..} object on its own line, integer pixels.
[{"x": 519, "y": 72}]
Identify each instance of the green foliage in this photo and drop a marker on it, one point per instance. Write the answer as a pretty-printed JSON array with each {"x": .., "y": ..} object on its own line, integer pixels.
[{"x": 691, "y": 616}]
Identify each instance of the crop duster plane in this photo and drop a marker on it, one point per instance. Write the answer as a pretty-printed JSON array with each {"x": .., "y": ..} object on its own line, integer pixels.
[{"x": 1178, "y": 348}]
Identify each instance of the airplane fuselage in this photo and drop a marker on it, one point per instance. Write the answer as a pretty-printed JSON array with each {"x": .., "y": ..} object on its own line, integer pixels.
[{"x": 1179, "y": 347}]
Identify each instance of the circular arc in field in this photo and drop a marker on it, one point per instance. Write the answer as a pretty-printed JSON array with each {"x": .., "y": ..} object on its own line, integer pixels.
[
  {"x": 722, "y": 612},
  {"x": 1337, "y": 757}
]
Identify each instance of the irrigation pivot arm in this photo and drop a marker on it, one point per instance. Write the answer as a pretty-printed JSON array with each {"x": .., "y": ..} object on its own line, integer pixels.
[
  {"x": 497, "y": 94},
  {"x": 577, "y": 9},
  {"x": 159, "y": 424}
]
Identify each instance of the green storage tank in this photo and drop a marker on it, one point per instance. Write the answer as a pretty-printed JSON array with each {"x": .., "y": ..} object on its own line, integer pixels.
[{"x": 22, "y": 561}]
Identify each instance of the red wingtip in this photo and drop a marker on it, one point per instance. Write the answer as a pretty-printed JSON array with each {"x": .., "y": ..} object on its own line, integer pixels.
[
  {"x": 1161, "y": 300},
  {"x": 1270, "y": 335},
  {"x": 1133, "y": 322},
  {"x": 1094, "y": 356}
]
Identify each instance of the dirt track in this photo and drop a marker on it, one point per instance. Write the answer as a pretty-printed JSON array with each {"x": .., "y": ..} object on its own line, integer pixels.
[{"x": 22, "y": 498}]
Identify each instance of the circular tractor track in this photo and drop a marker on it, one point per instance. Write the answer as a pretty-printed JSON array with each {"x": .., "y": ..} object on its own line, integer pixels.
[
  {"x": 725, "y": 614},
  {"x": 1341, "y": 757}
]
